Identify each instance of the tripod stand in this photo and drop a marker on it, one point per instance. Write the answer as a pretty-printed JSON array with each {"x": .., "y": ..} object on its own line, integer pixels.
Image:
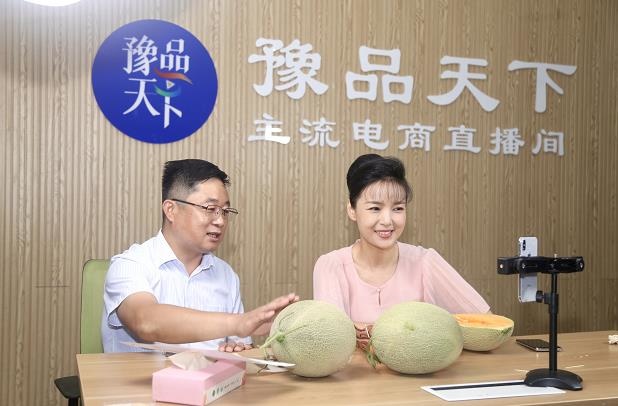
[{"x": 551, "y": 376}]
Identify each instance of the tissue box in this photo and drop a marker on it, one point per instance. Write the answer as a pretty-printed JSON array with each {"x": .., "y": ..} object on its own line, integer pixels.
[{"x": 199, "y": 387}]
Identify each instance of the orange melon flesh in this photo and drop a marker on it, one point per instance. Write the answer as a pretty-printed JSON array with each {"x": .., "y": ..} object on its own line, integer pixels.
[{"x": 484, "y": 332}]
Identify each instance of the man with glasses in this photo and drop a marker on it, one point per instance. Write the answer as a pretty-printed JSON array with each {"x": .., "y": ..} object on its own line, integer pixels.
[{"x": 172, "y": 288}]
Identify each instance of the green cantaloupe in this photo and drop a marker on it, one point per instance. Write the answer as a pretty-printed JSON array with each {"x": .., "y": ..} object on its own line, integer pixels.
[
  {"x": 316, "y": 336},
  {"x": 484, "y": 332},
  {"x": 415, "y": 338}
]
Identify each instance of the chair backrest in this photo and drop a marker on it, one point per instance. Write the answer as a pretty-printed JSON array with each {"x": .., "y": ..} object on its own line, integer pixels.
[{"x": 93, "y": 281}]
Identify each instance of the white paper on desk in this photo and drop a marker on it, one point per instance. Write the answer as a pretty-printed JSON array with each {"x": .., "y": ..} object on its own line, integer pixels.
[
  {"x": 212, "y": 354},
  {"x": 488, "y": 390}
]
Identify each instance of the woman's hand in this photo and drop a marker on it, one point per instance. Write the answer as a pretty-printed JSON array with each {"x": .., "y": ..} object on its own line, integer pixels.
[{"x": 363, "y": 334}]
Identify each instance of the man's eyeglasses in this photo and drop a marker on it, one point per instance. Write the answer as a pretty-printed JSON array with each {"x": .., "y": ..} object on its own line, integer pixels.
[{"x": 212, "y": 210}]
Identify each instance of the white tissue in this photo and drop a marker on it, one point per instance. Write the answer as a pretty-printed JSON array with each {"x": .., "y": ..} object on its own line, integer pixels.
[{"x": 190, "y": 360}]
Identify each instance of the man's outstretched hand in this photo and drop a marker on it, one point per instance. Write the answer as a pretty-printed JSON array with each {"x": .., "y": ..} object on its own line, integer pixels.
[{"x": 257, "y": 321}]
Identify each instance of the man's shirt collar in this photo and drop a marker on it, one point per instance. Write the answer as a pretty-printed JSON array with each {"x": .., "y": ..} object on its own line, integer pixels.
[{"x": 163, "y": 254}]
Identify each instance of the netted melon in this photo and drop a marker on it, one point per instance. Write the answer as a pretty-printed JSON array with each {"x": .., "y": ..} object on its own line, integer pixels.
[
  {"x": 316, "y": 336},
  {"x": 484, "y": 332},
  {"x": 415, "y": 338}
]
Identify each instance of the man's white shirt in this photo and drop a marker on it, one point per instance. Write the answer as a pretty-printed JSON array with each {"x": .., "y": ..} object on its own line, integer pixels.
[{"x": 154, "y": 268}]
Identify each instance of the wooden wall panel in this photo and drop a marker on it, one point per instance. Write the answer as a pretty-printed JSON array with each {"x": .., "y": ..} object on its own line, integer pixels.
[{"x": 75, "y": 188}]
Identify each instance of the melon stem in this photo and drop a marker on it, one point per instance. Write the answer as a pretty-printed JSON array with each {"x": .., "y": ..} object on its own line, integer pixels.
[
  {"x": 278, "y": 336},
  {"x": 371, "y": 356}
]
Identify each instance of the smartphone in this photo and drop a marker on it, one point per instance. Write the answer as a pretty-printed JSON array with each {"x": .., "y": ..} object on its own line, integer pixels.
[{"x": 535, "y": 344}]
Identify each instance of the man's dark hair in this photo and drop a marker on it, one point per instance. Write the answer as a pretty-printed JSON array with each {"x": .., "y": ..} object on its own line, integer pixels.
[
  {"x": 181, "y": 177},
  {"x": 370, "y": 168}
]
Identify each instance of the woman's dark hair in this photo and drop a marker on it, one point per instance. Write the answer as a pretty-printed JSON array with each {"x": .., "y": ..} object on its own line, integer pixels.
[
  {"x": 181, "y": 177},
  {"x": 371, "y": 168}
]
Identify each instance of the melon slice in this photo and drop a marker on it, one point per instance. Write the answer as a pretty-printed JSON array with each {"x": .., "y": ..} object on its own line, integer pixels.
[
  {"x": 484, "y": 332},
  {"x": 316, "y": 336},
  {"x": 415, "y": 338}
]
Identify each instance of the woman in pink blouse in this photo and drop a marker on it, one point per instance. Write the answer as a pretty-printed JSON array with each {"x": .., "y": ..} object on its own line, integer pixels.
[{"x": 377, "y": 271}]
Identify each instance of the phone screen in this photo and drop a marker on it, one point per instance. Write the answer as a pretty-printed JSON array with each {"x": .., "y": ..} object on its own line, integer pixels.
[{"x": 535, "y": 344}]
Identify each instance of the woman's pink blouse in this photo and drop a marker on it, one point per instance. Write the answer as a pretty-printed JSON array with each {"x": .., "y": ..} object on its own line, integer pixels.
[{"x": 421, "y": 275}]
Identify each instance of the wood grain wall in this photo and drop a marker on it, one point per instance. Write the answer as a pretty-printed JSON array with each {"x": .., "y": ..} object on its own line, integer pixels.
[{"x": 75, "y": 188}]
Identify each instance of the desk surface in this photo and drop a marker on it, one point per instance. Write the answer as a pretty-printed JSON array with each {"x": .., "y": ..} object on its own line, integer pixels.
[{"x": 109, "y": 379}]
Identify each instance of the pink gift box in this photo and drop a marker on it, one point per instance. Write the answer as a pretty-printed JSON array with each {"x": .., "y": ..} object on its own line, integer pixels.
[{"x": 199, "y": 387}]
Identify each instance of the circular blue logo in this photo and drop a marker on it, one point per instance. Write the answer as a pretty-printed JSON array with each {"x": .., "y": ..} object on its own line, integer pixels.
[{"x": 154, "y": 81}]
